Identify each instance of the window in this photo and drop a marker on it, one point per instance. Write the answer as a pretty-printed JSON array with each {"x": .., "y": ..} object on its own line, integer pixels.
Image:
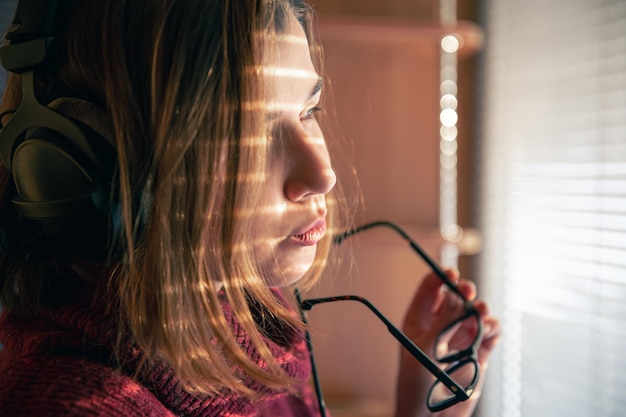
[{"x": 553, "y": 206}]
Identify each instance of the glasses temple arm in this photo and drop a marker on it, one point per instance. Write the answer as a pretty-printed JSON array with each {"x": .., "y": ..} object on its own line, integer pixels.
[
  {"x": 407, "y": 343},
  {"x": 416, "y": 248},
  {"x": 316, "y": 382}
]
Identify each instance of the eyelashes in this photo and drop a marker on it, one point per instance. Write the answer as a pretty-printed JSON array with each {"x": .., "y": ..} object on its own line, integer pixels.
[
  {"x": 275, "y": 115},
  {"x": 310, "y": 114},
  {"x": 278, "y": 126}
]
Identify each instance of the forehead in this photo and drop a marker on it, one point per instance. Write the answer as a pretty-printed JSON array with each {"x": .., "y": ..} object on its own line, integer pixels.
[{"x": 287, "y": 65}]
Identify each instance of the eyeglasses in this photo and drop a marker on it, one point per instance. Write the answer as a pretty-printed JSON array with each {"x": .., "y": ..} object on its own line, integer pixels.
[{"x": 454, "y": 384}]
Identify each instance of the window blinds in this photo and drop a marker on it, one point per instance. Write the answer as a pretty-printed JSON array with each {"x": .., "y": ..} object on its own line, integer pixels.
[{"x": 553, "y": 206}]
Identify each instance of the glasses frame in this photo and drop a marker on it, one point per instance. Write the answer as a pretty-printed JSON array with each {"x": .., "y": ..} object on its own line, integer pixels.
[{"x": 456, "y": 360}]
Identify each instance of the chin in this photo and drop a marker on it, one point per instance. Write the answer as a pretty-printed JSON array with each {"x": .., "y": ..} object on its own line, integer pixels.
[
  {"x": 287, "y": 276},
  {"x": 291, "y": 268}
]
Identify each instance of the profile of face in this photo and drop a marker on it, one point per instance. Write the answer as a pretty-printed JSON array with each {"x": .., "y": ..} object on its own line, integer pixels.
[{"x": 291, "y": 220}]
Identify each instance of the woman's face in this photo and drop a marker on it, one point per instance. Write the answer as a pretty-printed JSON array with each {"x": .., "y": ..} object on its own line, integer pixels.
[{"x": 291, "y": 219}]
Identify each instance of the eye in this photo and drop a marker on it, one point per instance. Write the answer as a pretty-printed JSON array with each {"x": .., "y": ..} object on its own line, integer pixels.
[{"x": 310, "y": 113}]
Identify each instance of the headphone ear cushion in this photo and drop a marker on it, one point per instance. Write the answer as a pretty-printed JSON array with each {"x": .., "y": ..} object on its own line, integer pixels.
[
  {"x": 44, "y": 168},
  {"x": 66, "y": 192}
]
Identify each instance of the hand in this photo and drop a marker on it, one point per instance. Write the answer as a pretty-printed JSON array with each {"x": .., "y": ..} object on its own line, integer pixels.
[{"x": 433, "y": 308}]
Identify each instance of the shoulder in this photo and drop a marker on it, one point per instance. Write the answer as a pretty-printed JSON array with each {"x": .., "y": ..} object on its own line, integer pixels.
[{"x": 50, "y": 386}]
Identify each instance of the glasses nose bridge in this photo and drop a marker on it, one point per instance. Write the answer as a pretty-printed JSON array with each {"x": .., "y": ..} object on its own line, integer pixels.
[{"x": 465, "y": 375}]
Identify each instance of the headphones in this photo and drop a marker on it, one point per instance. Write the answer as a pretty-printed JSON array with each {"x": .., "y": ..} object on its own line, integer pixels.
[{"x": 60, "y": 164}]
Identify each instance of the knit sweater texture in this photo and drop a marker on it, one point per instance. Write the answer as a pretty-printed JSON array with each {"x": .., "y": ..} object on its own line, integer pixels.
[{"x": 57, "y": 364}]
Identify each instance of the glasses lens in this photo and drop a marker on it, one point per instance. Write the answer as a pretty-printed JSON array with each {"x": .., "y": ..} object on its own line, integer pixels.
[
  {"x": 458, "y": 340},
  {"x": 463, "y": 373}
]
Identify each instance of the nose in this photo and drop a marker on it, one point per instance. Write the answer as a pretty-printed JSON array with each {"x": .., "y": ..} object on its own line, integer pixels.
[{"x": 309, "y": 171}]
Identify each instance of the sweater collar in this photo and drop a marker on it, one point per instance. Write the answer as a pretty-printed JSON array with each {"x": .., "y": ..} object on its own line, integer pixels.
[{"x": 88, "y": 331}]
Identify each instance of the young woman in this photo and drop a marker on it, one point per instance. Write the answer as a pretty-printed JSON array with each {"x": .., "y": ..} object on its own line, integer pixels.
[{"x": 171, "y": 297}]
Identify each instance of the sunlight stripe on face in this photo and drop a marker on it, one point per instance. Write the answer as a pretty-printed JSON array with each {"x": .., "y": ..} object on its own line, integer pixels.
[
  {"x": 283, "y": 72},
  {"x": 271, "y": 106},
  {"x": 288, "y": 72},
  {"x": 281, "y": 106},
  {"x": 317, "y": 140},
  {"x": 281, "y": 37},
  {"x": 287, "y": 38},
  {"x": 246, "y": 213}
]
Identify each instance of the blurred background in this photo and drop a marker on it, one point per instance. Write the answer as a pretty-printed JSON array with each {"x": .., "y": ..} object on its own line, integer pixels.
[{"x": 494, "y": 132}]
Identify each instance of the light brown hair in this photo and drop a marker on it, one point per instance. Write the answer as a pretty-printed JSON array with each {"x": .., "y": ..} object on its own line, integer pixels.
[{"x": 174, "y": 77}]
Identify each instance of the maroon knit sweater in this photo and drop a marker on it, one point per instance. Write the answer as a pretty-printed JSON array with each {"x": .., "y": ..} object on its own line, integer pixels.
[{"x": 56, "y": 364}]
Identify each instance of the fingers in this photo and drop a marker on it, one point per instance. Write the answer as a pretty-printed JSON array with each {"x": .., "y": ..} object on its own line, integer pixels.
[
  {"x": 427, "y": 298},
  {"x": 483, "y": 308},
  {"x": 434, "y": 306},
  {"x": 468, "y": 289},
  {"x": 451, "y": 304},
  {"x": 431, "y": 291},
  {"x": 491, "y": 325},
  {"x": 491, "y": 337}
]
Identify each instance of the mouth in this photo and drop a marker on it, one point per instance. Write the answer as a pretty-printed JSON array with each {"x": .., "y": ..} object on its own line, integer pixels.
[{"x": 312, "y": 235}]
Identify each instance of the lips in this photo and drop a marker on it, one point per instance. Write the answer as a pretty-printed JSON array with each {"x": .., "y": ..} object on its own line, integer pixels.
[{"x": 312, "y": 235}]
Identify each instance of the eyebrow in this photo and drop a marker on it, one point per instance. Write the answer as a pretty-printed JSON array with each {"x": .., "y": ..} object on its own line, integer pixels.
[{"x": 317, "y": 88}]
